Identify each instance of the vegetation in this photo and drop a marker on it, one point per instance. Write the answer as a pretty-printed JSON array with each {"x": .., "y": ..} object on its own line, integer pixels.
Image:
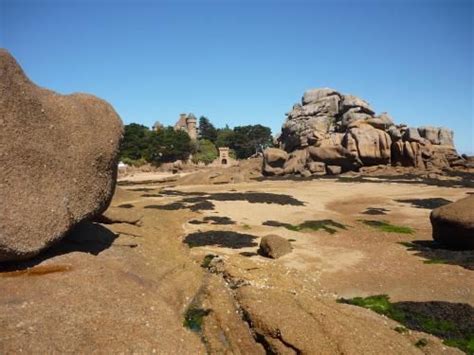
[
  {"x": 167, "y": 145},
  {"x": 225, "y": 137},
  {"x": 207, "y": 130},
  {"x": 141, "y": 145},
  {"x": 249, "y": 140},
  {"x": 415, "y": 316},
  {"x": 328, "y": 225},
  {"x": 207, "y": 260},
  {"x": 194, "y": 317},
  {"x": 421, "y": 343},
  {"x": 401, "y": 330},
  {"x": 135, "y": 142},
  {"x": 206, "y": 152},
  {"x": 387, "y": 227}
]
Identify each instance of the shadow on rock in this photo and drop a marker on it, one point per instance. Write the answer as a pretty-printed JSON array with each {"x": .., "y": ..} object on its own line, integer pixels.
[
  {"x": 86, "y": 237},
  {"x": 223, "y": 239},
  {"x": 435, "y": 253}
]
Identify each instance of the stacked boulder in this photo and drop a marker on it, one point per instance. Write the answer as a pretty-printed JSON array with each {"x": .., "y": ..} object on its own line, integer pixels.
[{"x": 329, "y": 133}]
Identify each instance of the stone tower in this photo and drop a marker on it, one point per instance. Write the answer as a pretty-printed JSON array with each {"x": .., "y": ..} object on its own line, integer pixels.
[
  {"x": 191, "y": 126},
  {"x": 187, "y": 123}
]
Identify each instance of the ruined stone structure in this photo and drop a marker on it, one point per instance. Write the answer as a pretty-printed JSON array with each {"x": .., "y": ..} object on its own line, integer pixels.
[
  {"x": 187, "y": 123},
  {"x": 224, "y": 155},
  {"x": 224, "y": 158},
  {"x": 330, "y": 132}
]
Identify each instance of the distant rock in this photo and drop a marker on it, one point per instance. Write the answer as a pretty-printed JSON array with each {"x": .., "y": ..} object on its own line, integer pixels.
[
  {"x": 314, "y": 95},
  {"x": 343, "y": 130},
  {"x": 333, "y": 169},
  {"x": 58, "y": 158},
  {"x": 273, "y": 246},
  {"x": 453, "y": 224}
]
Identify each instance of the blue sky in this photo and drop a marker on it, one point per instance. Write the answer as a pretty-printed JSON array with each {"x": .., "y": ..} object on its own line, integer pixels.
[{"x": 246, "y": 62}]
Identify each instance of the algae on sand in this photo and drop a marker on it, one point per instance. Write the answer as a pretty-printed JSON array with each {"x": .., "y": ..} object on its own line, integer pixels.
[
  {"x": 328, "y": 225},
  {"x": 387, "y": 227}
]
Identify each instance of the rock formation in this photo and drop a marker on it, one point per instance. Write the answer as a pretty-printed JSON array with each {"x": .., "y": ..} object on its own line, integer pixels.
[
  {"x": 453, "y": 224},
  {"x": 273, "y": 246},
  {"x": 331, "y": 132},
  {"x": 58, "y": 158}
]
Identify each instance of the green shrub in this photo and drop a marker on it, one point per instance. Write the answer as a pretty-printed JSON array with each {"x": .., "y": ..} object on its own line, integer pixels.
[
  {"x": 132, "y": 162},
  {"x": 134, "y": 144},
  {"x": 168, "y": 145},
  {"x": 206, "y": 152}
]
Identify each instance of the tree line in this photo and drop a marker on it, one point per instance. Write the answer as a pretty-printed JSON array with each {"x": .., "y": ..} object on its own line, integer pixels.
[{"x": 165, "y": 144}]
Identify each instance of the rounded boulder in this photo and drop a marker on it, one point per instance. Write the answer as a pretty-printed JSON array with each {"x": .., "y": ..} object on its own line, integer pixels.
[
  {"x": 453, "y": 224},
  {"x": 58, "y": 155}
]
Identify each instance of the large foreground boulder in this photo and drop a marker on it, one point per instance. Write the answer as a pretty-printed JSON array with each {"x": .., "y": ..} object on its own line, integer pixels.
[
  {"x": 453, "y": 224},
  {"x": 58, "y": 159}
]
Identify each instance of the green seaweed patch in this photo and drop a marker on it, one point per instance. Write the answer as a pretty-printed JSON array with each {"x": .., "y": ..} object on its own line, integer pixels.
[
  {"x": 464, "y": 344},
  {"x": 328, "y": 225},
  {"x": 387, "y": 227},
  {"x": 452, "y": 322},
  {"x": 401, "y": 330},
  {"x": 207, "y": 260},
  {"x": 194, "y": 317},
  {"x": 246, "y": 226},
  {"x": 379, "y": 303},
  {"x": 421, "y": 343}
]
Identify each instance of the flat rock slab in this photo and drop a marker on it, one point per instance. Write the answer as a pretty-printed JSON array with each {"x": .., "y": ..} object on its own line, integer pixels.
[{"x": 58, "y": 155}]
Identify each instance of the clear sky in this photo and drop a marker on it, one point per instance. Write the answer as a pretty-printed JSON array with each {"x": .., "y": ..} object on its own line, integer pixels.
[{"x": 247, "y": 62}]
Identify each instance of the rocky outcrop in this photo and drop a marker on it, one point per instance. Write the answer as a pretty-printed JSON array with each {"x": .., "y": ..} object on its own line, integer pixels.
[
  {"x": 58, "y": 158},
  {"x": 453, "y": 224},
  {"x": 344, "y": 131}
]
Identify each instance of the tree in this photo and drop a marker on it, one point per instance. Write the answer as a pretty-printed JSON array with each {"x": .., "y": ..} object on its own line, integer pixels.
[
  {"x": 167, "y": 145},
  {"x": 135, "y": 142},
  {"x": 225, "y": 137},
  {"x": 248, "y": 140},
  {"x": 206, "y": 152},
  {"x": 207, "y": 130}
]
